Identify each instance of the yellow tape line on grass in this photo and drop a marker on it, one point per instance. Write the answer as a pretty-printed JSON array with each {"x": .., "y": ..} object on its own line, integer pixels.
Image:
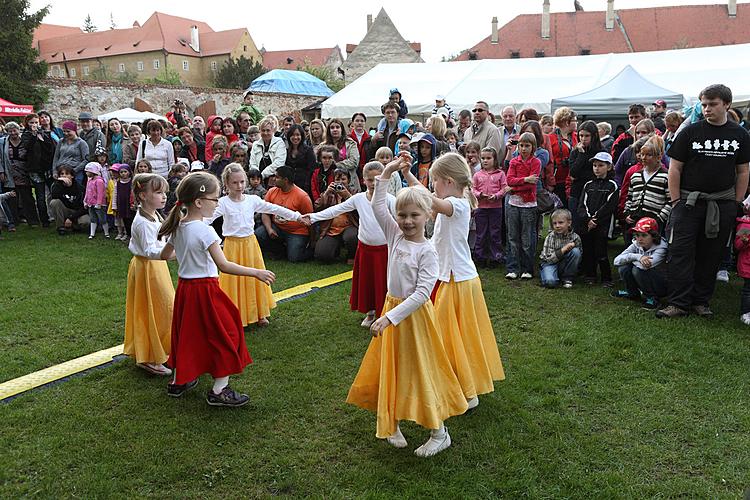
[{"x": 25, "y": 383}]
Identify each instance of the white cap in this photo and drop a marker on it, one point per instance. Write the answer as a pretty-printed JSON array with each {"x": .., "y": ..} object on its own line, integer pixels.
[
  {"x": 197, "y": 165},
  {"x": 439, "y": 97},
  {"x": 602, "y": 156}
]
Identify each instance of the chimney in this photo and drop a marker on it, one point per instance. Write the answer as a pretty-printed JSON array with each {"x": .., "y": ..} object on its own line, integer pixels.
[
  {"x": 545, "y": 20},
  {"x": 194, "y": 39},
  {"x": 493, "y": 39},
  {"x": 732, "y": 8},
  {"x": 369, "y": 22},
  {"x": 609, "y": 20}
]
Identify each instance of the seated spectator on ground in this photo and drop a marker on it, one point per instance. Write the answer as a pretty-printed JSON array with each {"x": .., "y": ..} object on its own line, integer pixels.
[
  {"x": 348, "y": 153},
  {"x": 330, "y": 235},
  {"x": 194, "y": 149},
  {"x": 66, "y": 202},
  {"x": 561, "y": 253},
  {"x": 322, "y": 176}
]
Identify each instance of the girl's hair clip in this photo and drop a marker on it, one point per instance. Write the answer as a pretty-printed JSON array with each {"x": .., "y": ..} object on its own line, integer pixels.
[{"x": 203, "y": 188}]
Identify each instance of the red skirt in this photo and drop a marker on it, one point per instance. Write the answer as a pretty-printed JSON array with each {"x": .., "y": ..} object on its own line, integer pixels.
[
  {"x": 369, "y": 278},
  {"x": 433, "y": 295},
  {"x": 207, "y": 334}
]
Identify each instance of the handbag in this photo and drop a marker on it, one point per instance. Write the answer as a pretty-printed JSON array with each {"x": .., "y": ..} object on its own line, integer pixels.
[{"x": 547, "y": 201}]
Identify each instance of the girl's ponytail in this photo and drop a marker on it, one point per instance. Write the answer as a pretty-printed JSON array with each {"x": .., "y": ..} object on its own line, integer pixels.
[
  {"x": 454, "y": 166},
  {"x": 192, "y": 187},
  {"x": 172, "y": 222}
]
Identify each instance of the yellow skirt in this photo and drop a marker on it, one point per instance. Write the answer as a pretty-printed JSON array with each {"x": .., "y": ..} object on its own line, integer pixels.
[
  {"x": 467, "y": 335},
  {"x": 406, "y": 375},
  {"x": 252, "y": 297},
  {"x": 148, "y": 311}
]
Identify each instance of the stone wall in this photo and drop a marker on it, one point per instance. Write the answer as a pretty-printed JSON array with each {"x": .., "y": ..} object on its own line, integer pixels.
[{"x": 69, "y": 97}]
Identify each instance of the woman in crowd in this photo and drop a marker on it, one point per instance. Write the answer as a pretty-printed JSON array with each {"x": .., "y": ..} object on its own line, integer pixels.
[
  {"x": 317, "y": 132},
  {"x": 72, "y": 150},
  {"x": 562, "y": 140},
  {"x": 192, "y": 147},
  {"x": 269, "y": 152},
  {"x": 348, "y": 153},
  {"x": 300, "y": 158},
  {"x": 157, "y": 150},
  {"x": 362, "y": 138},
  {"x": 48, "y": 126},
  {"x": 132, "y": 145},
  {"x": 116, "y": 138}
]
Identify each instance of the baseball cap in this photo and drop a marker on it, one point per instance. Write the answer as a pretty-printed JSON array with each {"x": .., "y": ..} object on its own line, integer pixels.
[
  {"x": 660, "y": 102},
  {"x": 197, "y": 165},
  {"x": 417, "y": 137},
  {"x": 439, "y": 97},
  {"x": 85, "y": 116},
  {"x": 645, "y": 225},
  {"x": 602, "y": 156}
]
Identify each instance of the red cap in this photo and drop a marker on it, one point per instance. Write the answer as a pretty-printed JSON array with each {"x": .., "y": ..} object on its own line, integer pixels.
[
  {"x": 660, "y": 102},
  {"x": 645, "y": 225}
]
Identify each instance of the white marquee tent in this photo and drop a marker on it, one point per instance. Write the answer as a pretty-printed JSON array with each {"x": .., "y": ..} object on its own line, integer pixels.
[
  {"x": 130, "y": 115},
  {"x": 535, "y": 82}
]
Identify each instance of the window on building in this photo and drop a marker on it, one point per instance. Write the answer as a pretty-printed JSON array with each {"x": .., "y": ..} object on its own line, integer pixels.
[
  {"x": 185, "y": 66},
  {"x": 214, "y": 65},
  {"x": 121, "y": 68},
  {"x": 515, "y": 54},
  {"x": 72, "y": 72},
  {"x": 156, "y": 64},
  {"x": 585, "y": 52},
  {"x": 139, "y": 65},
  {"x": 244, "y": 48},
  {"x": 85, "y": 70},
  {"x": 538, "y": 53}
]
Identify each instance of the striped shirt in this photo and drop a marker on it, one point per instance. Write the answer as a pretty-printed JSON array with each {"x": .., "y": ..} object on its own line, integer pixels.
[{"x": 648, "y": 198}]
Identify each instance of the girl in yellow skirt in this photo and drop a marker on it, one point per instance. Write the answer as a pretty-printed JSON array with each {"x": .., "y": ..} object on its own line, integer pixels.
[
  {"x": 150, "y": 295},
  {"x": 252, "y": 297},
  {"x": 406, "y": 373},
  {"x": 459, "y": 304}
]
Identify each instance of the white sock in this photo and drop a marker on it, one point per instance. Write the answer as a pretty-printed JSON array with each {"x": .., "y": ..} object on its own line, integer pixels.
[
  {"x": 105, "y": 226},
  {"x": 92, "y": 230},
  {"x": 220, "y": 383},
  {"x": 439, "y": 440},
  {"x": 397, "y": 439}
]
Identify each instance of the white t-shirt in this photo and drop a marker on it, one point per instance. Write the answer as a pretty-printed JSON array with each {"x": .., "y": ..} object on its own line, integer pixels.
[
  {"x": 369, "y": 230},
  {"x": 160, "y": 156},
  {"x": 191, "y": 242},
  {"x": 144, "y": 240},
  {"x": 239, "y": 216},
  {"x": 412, "y": 267},
  {"x": 451, "y": 242}
]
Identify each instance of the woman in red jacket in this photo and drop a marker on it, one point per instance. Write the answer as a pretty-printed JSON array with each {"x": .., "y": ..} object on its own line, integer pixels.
[
  {"x": 562, "y": 140},
  {"x": 362, "y": 138}
]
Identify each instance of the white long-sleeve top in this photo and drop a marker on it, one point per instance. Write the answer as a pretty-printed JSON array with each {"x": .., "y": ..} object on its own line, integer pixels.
[
  {"x": 412, "y": 267},
  {"x": 451, "y": 242},
  {"x": 239, "y": 216},
  {"x": 161, "y": 156},
  {"x": 369, "y": 231},
  {"x": 144, "y": 241}
]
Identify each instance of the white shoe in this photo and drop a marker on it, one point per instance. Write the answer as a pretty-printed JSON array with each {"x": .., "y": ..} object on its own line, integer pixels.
[
  {"x": 91, "y": 237},
  {"x": 397, "y": 439},
  {"x": 526, "y": 276},
  {"x": 745, "y": 318},
  {"x": 439, "y": 440},
  {"x": 511, "y": 276},
  {"x": 368, "y": 321},
  {"x": 567, "y": 284},
  {"x": 722, "y": 276},
  {"x": 473, "y": 403}
]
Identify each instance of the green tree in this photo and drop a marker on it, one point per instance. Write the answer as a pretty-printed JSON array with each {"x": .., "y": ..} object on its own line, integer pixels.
[
  {"x": 20, "y": 71},
  {"x": 167, "y": 76},
  {"x": 88, "y": 24},
  {"x": 238, "y": 73},
  {"x": 326, "y": 74}
]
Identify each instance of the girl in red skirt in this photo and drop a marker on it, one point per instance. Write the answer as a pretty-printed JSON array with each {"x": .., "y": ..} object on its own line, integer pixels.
[
  {"x": 369, "y": 279},
  {"x": 207, "y": 333}
]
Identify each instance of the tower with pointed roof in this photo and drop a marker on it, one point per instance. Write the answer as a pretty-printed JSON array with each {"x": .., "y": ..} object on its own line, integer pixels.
[{"x": 382, "y": 44}]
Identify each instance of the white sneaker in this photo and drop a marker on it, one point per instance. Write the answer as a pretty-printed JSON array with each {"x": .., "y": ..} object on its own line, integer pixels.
[
  {"x": 511, "y": 276},
  {"x": 439, "y": 440},
  {"x": 368, "y": 321},
  {"x": 473, "y": 403},
  {"x": 745, "y": 318},
  {"x": 526, "y": 276},
  {"x": 722, "y": 276},
  {"x": 397, "y": 439},
  {"x": 567, "y": 284}
]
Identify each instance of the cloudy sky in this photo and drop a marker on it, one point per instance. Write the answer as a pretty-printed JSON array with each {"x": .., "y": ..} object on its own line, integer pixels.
[{"x": 441, "y": 27}]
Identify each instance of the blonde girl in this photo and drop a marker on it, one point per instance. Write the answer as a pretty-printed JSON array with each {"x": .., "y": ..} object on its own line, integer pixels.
[
  {"x": 207, "y": 333},
  {"x": 406, "y": 373},
  {"x": 384, "y": 155},
  {"x": 253, "y": 298},
  {"x": 150, "y": 294},
  {"x": 460, "y": 308}
]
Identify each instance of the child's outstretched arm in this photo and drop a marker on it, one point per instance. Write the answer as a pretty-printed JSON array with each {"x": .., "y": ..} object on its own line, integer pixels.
[
  {"x": 167, "y": 253},
  {"x": 228, "y": 267}
]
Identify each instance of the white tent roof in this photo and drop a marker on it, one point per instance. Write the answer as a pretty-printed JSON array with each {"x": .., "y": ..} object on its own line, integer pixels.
[
  {"x": 534, "y": 82},
  {"x": 130, "y": 115},
  {"x": 614, "y": 97}
]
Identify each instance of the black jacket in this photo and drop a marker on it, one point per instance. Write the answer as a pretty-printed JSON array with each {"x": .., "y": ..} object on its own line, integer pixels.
[
  {"x": 303, "y": 166},
  {"x": 598, "y": 201},
  {"x": 581, "y": 170}
]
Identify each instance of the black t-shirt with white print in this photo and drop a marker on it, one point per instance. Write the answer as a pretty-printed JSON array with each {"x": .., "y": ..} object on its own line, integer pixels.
[{"x": 710, "y": 154}]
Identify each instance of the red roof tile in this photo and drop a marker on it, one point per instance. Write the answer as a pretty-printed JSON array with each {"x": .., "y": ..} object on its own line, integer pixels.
[
  {"x": 279, "y": 59},
  {"x": 45, "y": 31},
  {"x": 650, "y": 29}
]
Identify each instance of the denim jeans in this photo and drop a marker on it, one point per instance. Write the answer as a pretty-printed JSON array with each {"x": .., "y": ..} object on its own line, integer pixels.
[
  {"x": 522, "y": 238},
  {"x": 649, "y": 281},
  {"x": 296, "y": 244},
  {"x": 565, "y": 269},
  {"x": 745, "y": 297}
]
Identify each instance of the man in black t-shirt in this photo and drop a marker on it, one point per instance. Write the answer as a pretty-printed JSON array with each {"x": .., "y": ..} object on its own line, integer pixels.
[{"x": 708, "y": 178}]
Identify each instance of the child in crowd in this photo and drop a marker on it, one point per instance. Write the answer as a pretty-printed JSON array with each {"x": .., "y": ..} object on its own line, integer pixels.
[
  {"x": 253, "y": 298},
  {"x": 95, "y": 199},
  {"x": 255, "y": 184},
  {"x": 329, "y": 236},
  {"x": 229, "y": 130},
  {"x": 452, "y": 139},
  {"x": 253, "y": 134},
  {"x": 523, "y": 174},
  {"x": 384, "y": 155},
  {"x": 322, "y": 176},
  {"x": 114, "y": 175},
  {"x": 473, "y": 153},
  {"x": 150, "y": 293},
  {"x": 561, "y": 253},
  {"x": 426, "y": 152},
  {"x": 640, "y": 266},
  {"x": 460, "y": 308},
  {"x": 219, "y": 160},
  {"x": 369, "y": 278},
  {"x": 596, "y": 218},
  {"x": 204, "y": 339},
  {"x": 176, "y": 174},
  {"x": 489, "y": 186},
  {"x": 403, "y": 143},
  {"x": 405, "y": 373},
  {"x": 124, "y": 202},
  {"x": 547, "y": 124},
  {"x": 214, "y": 130},
  {"x": 177, "y": 146},
  {"x": 247, "y": 106},
  {"x": 647, "y": 194},
  {"x": 742, "y": 246},
  {"x": 238, "y": 154},
  {"x": 102, "y": 158},
  {"x": 143, "y": 167}
]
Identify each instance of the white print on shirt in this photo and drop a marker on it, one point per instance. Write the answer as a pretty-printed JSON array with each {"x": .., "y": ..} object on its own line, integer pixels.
[{"x": 717, "y": 148}]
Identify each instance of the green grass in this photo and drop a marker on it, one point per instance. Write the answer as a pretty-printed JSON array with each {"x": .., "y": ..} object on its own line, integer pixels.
[{"x": 601, "y": 399}]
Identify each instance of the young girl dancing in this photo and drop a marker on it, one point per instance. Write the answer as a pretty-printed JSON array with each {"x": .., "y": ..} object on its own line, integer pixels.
[
  {"x": 460, "y": 308},
  {"x": 207, "y": 334},
  {"x": 150, "y": 295},
  {"x": 253, "y": 298},
  {"x": 405, "y": 373},
  {"x": 369, "y": 278}
]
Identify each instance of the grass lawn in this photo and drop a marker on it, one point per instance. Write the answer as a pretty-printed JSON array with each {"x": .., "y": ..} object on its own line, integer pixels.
[{"x": 601, "y": 399}]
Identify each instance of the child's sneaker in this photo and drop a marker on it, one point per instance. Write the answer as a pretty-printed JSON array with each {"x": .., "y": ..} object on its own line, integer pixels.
[
  {"x": 722, "y": 276},
  {"x": 91, "y": 237},
  {"x": 227, "y": 397},
  {"x": 567, "y": 284},
  {"x": 650, "y": 303},
  {"x": 511, "y": 276},
  {"x": 526, "y": 276},
  {"x": 177, "y": 390},
  {"x": 745, "y": 318}
]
